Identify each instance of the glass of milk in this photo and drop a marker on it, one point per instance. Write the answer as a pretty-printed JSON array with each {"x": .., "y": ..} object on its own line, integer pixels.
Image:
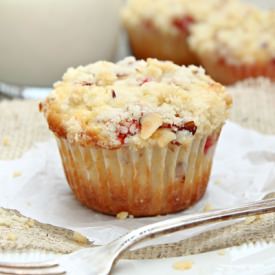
[{"x": 40, "y": 39}]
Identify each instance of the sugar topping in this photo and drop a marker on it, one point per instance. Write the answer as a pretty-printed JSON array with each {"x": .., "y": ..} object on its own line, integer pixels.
[
  {"x": 238, "y": 35},
  {"x": 171, "y": 16},
  {"x": 135, "y": 102}
]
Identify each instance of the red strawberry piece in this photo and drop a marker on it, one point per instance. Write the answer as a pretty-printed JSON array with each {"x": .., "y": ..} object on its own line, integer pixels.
[
  {"x": 221, "y": 61},
  {"x": 148, "y": 24},
  {"x": 190, "y": 126},
  {"x": 127, "y": 128},
  {"x": 210, "y": 141},
  {"x": 145, "y": 80},
  {"x": 183, "y": 23}
]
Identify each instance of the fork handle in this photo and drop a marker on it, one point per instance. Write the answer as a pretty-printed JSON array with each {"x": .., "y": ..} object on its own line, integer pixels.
[{"x": 192, "y": 220}]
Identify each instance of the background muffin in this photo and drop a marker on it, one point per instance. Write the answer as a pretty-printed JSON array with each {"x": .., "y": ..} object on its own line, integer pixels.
[
  {"x": 236, "y": 43},
  {"x": 137, "y": 136},
  {"x": 160, "y": 28}
]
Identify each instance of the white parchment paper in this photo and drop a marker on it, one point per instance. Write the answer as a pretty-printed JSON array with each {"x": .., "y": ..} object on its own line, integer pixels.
[{"x": 244, "y": 170}]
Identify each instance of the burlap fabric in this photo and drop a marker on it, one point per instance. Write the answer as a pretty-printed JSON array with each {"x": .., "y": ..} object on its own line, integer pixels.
[{"x": 254, "y": 107}]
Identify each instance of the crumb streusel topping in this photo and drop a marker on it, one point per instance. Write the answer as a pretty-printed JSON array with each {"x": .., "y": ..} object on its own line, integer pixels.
[
  {"x": 239, "y": 36},
  {"x": 172, "y": 16},
  {"x": 135, "y": 103}
]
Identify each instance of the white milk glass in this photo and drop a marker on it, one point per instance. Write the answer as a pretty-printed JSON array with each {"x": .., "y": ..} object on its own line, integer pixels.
[{"x": 40, "y": 39}]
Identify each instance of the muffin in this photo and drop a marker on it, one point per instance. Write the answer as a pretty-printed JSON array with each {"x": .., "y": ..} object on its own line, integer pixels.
[
  {"x": 236, "y": 44},
  {"x": 160, "y": 28},
  {"x": 137, "y": 136}
]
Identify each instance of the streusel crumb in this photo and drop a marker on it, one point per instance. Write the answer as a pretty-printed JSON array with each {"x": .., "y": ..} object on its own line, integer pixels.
[
  {"x": 6, "y": 141},
  {"x": 135, "y": 102},
  {"x": 208, "y": 207},
  {"x": 221, "y": 252},
  {"x": 17, "y": 174},
  {"x": 122, "y": 215},
  {"x": 79, "y": 238},
  {"x": 228, "y": 37},
  {"x": 185, "y": 265}
]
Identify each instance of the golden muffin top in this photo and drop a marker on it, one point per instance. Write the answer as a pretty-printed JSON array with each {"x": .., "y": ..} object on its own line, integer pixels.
[
  {"x": 240, "y": 36},
  {"x": 135, "y": 102},
  {"x": 172, "y": 16}
]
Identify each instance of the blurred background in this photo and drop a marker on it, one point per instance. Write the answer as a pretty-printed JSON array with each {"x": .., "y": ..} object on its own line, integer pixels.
[{"x": 41, "y": 39}]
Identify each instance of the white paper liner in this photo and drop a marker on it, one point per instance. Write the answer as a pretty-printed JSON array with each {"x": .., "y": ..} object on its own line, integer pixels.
[
  {"x": 230, "y": 74},
  {"x": 147, "y": 42},
  {"x": 143, "y": 182}
]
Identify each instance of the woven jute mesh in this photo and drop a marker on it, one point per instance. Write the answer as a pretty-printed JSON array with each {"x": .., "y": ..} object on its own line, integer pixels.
[{"x": 21, "y": 125}]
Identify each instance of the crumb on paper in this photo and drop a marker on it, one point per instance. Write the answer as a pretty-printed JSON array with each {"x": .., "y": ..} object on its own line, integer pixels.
[
  {"x": 122, "y": 215},
  {"x": 17, "y": 174},
  {"x": 6, "y": 141},
  {"x": 131, "y": 216},
  {"x": 208, "y": 207},
  {"x": 185, "y": 265},
  {"x": 217, "y": 181},
  {"x": 11, "y": 237},
  {"x": 221, "y": 252},
  {"x": 79, "y": 238}
]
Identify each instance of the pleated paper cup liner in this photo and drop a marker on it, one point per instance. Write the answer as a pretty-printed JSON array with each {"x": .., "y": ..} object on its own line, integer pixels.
[
  {"x": 147, "y": 42},
  {"x": 143, "y": 182},
  {"x": 227, "y": 74}
]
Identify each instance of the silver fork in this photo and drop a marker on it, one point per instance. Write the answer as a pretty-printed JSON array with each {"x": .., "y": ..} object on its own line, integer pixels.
[{"x": 100, "y": 260}]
